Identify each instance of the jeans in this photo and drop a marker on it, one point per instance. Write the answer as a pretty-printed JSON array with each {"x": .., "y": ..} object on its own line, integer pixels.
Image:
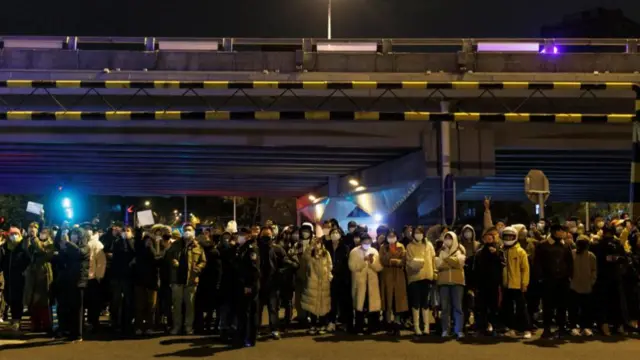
[
  {"x": 183, "y": 295},
  {"x": 451, "y": 300},
  {"x": 146, "y": 300},
  {"x": 121, "y": 304},
  {"x": 271, "y": 300}
]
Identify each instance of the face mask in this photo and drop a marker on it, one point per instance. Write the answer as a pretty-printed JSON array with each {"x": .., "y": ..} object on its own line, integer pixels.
[
  {"x": 306, "y": 235},
  {"x": 419, "y": 237},
  {"x": 189, "y": 235},
  {"x": 573, "y": 230},
  {"x": 541, "y": 226},
  {"x": 468, "y": 235},
  {"x": 90, "y": 232},
  {"x": 265, "y": 238},
  {"x": 74, "y": 238},
  {"x": 242, "y": 240},
  {"x": 392, "y": 240},
  {"x": 448, "y": 243},
  {"x": 295, "y": 237},
  {"x": 43, "y": 237},
  {"x": 158, "y": 237},
  {"x": 335, "y": 237},
  {"x": 326, "y": 232},
  {"x": 509, "y": 243},
  {"x": 33, "y": 232},
  {"x": 351, "y": 230},
  {"x": 600, "y": 224},
  {"x": 13, "y": 238},
  {"x": 366, "y": 247},
  {"x": 619, "y": 230},
  {"x": 54, "y": 234}
]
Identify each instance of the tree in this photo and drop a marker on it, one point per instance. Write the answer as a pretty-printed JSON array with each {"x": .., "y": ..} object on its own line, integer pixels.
[{"x": 13, "y": 209}]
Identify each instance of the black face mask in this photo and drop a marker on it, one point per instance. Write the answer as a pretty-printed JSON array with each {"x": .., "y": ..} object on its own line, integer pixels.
[
  {"x": 265, "y": 239},
  {"x": 582, "y": 246}
]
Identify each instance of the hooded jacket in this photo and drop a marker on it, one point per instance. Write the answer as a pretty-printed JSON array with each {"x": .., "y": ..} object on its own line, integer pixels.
[
  {"x": 14, "y": 260},
  {"x": 97, "y": 258},
  {"x": 450, "y": 263},
  {"x": 516, "y": 272},
  {"x": 421, "y": 261},
  {"x": 472, "y": 245},
  {"x": 73, "y": 261},
  {"x": 585, "y": 270}
]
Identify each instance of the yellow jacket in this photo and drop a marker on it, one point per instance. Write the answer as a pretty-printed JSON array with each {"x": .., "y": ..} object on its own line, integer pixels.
[{"x": 515, "y": 275}]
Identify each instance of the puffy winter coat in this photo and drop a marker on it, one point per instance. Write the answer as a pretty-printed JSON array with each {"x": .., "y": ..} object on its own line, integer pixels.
[
  {"x": 316, "y": 297},
  {"x": 421, "y": 261},
  {"x": 364, "y": 279},
  {"x": 450, "y": 263}
]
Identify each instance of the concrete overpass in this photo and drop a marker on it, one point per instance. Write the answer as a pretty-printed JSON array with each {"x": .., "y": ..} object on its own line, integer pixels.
[{"x": 382, "y": 128}]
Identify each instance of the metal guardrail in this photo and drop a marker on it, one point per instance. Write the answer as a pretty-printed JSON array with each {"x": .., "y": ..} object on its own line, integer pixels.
[
  {"x": 317, "y": 85},
  {"x": 321, "y": 116},
  {"x": 308, "y": 44}
]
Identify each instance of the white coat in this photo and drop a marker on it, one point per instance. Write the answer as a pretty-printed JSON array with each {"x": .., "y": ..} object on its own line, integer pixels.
[
  {"x": 97, "y": 258},
  {"x": 364, "y": 279},
  {"x": 316, "y": 296}
]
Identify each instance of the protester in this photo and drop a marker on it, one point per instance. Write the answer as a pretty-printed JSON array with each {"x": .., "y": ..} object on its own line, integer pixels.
[
  {"x": 486, "y": 281},
  {"x": 515, "y": 281},
  {"x": 341, "y": 303},
  {"x": 122, "y": 254},
  {"x": 450, "y": 265},
  {"x": 271, "y": 266},
  {"x": 247, "y": 289},
  {"x": 146, "y": 280},
  {"x": 14, "y": 260},
  {"x": 97, "y": 269},
  {"x": 38, "y": 278},
  {"x": 316, "y": 297},
  {"x": 393, "y": 282},
  {"x": 364, "y": 263},
  {"x": 585, "y": 273},
  {"x": 421, "y": 272},
  {"x": 208, "y": 290}
]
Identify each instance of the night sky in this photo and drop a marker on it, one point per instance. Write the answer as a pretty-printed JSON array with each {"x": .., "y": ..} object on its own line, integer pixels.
[{"x": 294, "y": 18}]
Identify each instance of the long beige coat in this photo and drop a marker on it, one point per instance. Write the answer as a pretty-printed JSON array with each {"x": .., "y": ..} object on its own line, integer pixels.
[
  {"x": 316, "y": 296},
  {"x": 364, "y": 279},
  {"x": 393, "y": 279}
]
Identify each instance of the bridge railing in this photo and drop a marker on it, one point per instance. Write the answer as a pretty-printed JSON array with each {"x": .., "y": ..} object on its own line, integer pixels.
[{"x": 549, "y": 45}]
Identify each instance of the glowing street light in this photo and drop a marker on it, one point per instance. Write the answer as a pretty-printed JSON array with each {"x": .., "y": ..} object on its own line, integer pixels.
[
  {"x": 147, "y": 203},
  {"x": 377, "y": 217},
  {"x": 66, "y": 203},
  {"x": 360, "y": 188},
  {"x": 354, "y": 182},
  {"x": 329, "y": 21},
  {"x": 312, "y": 198},
  {"x": 175, "y": 212}
]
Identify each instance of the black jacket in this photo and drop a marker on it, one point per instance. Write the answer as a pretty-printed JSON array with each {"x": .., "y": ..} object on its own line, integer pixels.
[
  {"x": 291, "y": 266},
  {"x": 340, "y": 259},
  {"x": 614, "y": 270},
  {"x": 553, "y": 261},
  {"x": 147, "y": 266},
  {"x": 211, "y": 276},
  {"x": 13, "y": 263},
  {"x": 486, "y": 269},
  {"x": 272, "y": 265},
  {"x": 247, "y": 268},
  {"x": 73, "y": 264},
  {"x": 122, "y": 260},
  {"x": 229, "y": 264}
]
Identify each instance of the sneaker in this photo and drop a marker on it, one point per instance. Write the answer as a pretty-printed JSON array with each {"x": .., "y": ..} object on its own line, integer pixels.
[
  {"x": 606, "y": 331},
  {"x": 188, "y": 331},
  {"x": 588, "y": 332},
  {"x": 575, "y": 332},
  {"x": 621, "y": 331},
  {"x": 174, "y": 331},
  {"x": 275, "y": 335},
  {"x": 331, "y": 327},
  {"x": 510, "y": 333},
  {"x": 527, "y": 335},
  {"x": 139, "y": 332},
  {"x": 312, "y": 331},
  {"x": 460, "y": 336},
  {"x": 15, "y": 326},
  {"x": 445, "y": 334},
  {"x": 148, "y": 332},
  {"x": 547, "y": 334},
  {"x": 322, "y": 331}
]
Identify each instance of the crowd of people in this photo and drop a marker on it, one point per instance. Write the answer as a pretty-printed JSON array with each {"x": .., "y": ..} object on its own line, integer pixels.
[{"x": 508, "y": 281}]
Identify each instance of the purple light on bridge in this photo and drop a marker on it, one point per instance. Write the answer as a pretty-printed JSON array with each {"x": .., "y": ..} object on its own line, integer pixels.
[
  {"x": 555, "y": 50},
  {"x": 508, "y": 47}
]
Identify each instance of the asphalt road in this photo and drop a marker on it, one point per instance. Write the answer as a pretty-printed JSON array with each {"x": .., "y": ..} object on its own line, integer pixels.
[{"x": 298, "y": 345}]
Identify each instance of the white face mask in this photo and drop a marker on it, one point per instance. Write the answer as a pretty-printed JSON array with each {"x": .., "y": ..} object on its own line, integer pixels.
[
  {"x": 189, "y": 235},
  {"x": 74, "y": 238},
  {"x": 468, "y": 235},
  {"x": 13, "y": 238},
  {"x": 573, "y": 230},
  {"x": 419, "y": 237},
  {"x": 242, "y": 240},
  {"x": 295, "y": 237},
  {"x": 541, "y": 226},
  {"x": 366, "y": 247},
  {"x": 43, "y": 237},
  {"x": 326, "y": 232},
  {"x": 448, "y": 243},
  {"x": 392, "y": 240},
  {"x": 510, "y": 242},
  {"x": 335, "y": 237},
  {"x": 158, "y": 238},
  {"x": 600, "y": 224},
  {"x": 306, "y": 235},
  {"x": 54, "y": 234}
]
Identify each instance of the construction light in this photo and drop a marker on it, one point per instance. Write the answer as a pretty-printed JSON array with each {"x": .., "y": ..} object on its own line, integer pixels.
[{"x": 354, "y": 182}]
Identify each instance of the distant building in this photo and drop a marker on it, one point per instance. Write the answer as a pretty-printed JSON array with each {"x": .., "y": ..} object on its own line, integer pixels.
[{"x": 596, "y": 23}]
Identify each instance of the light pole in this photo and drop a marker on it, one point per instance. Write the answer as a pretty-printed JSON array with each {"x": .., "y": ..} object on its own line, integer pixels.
[{"x": 329, "y": 21}]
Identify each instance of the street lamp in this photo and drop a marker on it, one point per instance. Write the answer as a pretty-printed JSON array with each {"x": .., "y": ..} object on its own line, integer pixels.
[
  {"x": 329, "y": 21},
  {"x": 147, "y": 203},
  {"x": 175, "y": 211}
]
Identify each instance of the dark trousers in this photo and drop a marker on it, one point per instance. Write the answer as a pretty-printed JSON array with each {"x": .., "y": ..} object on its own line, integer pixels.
[
  {"x": 40, "y": 318},
  {"x": 533, "y": 299},
  {"x": 487, "y": 308},
  {"x": 271, "y": 300},
  {"x": 146, "y": 300},
  {"x": 13, "y": 293},
  {"x": 248, "y": 319},
  {"x": 204, "y": 307},
  {"x": 286, "y": 302},
  {"x": 122, "y": 307},
  {"x": 71, "y": 311},
  {"x": 514, "y": 306},
  {"x": 94, "y": 300},
  {"x": 164, "y": 306},
  {"x": 372, "y": 317},
  {"x": 612, "y": 305},
  {"x": 341, "y": 305},
  {"x": 580, "y": 310},
  {"x": 554, "y": 303}
]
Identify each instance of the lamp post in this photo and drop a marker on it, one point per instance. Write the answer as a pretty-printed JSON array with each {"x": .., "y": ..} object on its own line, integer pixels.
[{"x": 329, "y": 21}]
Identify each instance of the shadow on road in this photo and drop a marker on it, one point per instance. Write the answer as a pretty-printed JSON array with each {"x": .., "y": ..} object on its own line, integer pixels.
[{"x": 199, "y": 347}]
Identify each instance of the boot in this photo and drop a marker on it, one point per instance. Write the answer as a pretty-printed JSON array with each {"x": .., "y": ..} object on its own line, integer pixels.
[
  {"x": 416, "y": 322},
  {"x": 426, "y": 318}
]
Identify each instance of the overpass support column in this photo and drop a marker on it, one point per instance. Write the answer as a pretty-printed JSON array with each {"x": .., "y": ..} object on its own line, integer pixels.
[
  {"x": 334, "y": 186},
  {"x": 444, "y": 155},
  {"x": 634, "y": 191}
]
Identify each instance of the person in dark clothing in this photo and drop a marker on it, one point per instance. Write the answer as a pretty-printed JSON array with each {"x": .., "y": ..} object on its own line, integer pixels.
[
  {"x": 73, "y": 274},
  {"x": 208, "y": 288},
  {"x": 291, "y": 266},
  {"x": 14, "y": 260},
  {"x": 122, "y": 254},
  {"x": 407, "y": 235},
  {"x": 247, "y": 289},
  {"x": 148, "y": 257},
  {"x": 632, "y": 282},
  {"x": 226, "y": 310},
  {"x": 341, "y": 302},
  {"x": 164, "y": 316},
  {"x": 554, "y": 265},
  {"x": 272, "y": 258},
  {"x": 486, "y": 281},
  {"x": 612, "y": 263}
]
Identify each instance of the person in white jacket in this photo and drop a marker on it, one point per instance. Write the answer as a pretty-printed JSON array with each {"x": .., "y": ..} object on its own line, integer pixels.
[
  {"x": 364, "y": 263},
  {"x": 450, "y": 265},
  {"x": 97, "y": 268},
  {"x": 421, "y": 273}
]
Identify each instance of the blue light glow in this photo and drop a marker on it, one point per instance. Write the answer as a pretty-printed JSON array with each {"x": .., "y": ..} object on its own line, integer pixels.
[{"x": 66, "y": 203}]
